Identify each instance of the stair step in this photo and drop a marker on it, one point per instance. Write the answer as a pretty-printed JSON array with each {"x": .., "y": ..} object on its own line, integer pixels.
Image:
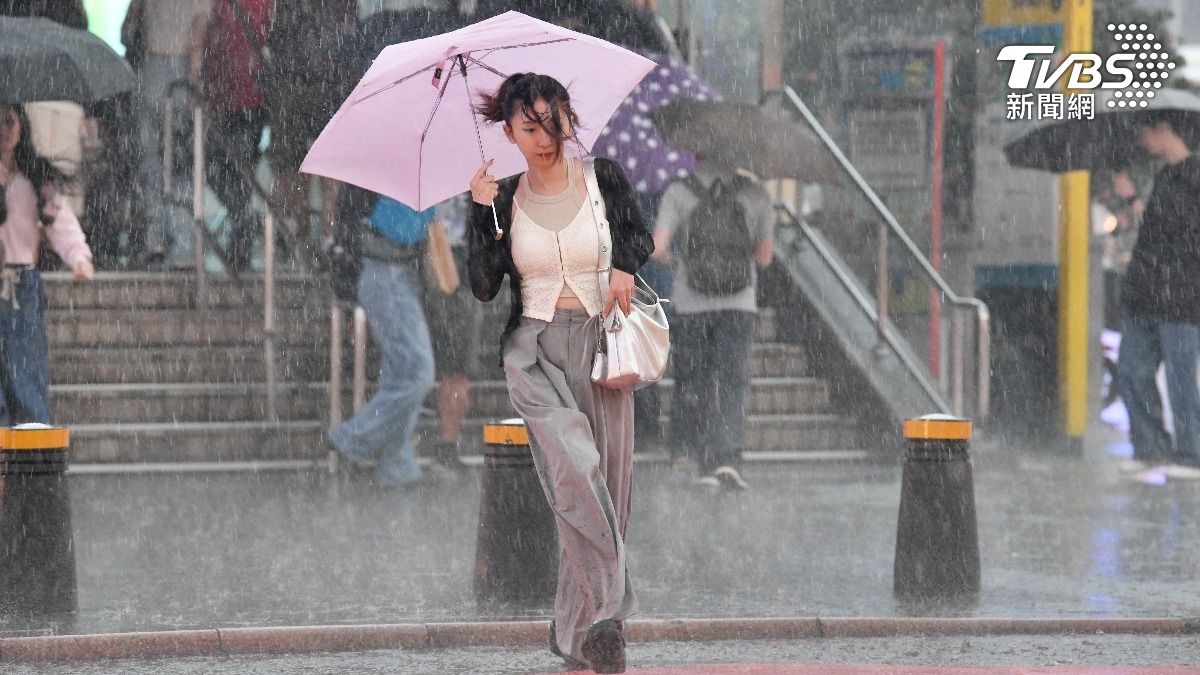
[
  {"x": 236, "y": 402},
  {"x": 150, "y": 365},
  {"x": 197, "y": 442},
  {"x": 260, "y": 441},
  {"x": 148, "y": 290},
  {"x": 192, "y": 402},
  {"x": 176, "y": 327}
]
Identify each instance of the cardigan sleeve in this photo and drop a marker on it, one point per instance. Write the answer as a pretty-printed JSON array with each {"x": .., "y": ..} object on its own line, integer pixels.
[
  {"x": 632, "y": 241},
  {"x": 488, "y": 259}
]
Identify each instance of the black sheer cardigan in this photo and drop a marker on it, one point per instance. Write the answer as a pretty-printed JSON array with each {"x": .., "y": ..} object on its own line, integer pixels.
[{"x": 490, "y": 259}]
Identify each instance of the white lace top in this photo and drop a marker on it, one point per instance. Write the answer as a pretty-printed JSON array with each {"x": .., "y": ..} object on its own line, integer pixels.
[{"x": 550, "y": 260}]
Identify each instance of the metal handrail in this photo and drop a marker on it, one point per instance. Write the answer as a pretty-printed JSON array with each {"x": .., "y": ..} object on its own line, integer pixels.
[
  {"x": 203, "y": 236},
  {"x": 980, "y": 309},
  {"x": 358, "y": 337},
  {"x": 864, "y": 303}
]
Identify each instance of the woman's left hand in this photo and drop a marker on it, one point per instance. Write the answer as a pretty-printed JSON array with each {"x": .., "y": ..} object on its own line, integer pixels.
[{"x": 620, "y": 289}]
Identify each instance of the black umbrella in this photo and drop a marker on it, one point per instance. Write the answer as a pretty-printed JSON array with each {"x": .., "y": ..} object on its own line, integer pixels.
[
  {"x": 1110, "y": 140},
  {"x": 743, "y": 135},
  {"x": 44, "y": 61}
]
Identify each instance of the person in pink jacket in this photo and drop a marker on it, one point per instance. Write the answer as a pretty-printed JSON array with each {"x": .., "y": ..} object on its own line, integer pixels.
[{"x": 31, "y": 207}]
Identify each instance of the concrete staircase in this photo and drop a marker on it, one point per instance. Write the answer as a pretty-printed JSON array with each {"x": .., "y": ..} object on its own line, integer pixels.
[{"x": 141, "y": 374}]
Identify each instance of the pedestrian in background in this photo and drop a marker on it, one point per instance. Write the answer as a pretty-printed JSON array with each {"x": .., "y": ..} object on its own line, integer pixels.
[
  {"x": 389, "y": 291},
  {"x": 305, "y": 36},
  {"x": 166, "y": 33},
  {"x": 581, "y": 433},
  {"x": 454, "y": 327},
  {"x": 1161, "y": 298},
  {"x": 32, "y": 206},
  {"x": 725, "y": 225},
  {"x": 228, "y": 64}
]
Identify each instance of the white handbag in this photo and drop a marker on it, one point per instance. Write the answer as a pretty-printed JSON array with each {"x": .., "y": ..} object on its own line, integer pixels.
[{"x": 631, "y": 351}]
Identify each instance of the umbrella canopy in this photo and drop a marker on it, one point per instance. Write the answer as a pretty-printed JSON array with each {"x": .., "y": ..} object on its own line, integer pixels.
[
  {"x": 618, "y": 22},
  {"x": 631, "y": 138},
  {"x": 742, "y": 135},
  {"x": 408, "y": 129},
  {"x": 45, "y": 61},
  {"x": 1109, "y": 141}
]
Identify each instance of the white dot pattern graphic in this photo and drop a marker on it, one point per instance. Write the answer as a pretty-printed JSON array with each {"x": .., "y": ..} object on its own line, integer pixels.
[{"x": 1150, "y": 64}]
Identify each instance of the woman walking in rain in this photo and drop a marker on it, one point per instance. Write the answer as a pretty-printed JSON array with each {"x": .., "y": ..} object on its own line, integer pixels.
[
  {"x": 581, "y": 433},
  {"x": 30, "y": 204}
]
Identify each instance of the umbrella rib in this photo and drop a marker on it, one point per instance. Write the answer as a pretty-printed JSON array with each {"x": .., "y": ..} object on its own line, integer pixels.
[
  {"x": 483, "y": 65},
  {"x": 474, "y": 116},
  {"x": 533, "y": 44},
  {"x": 432, "y": 67},
  {"x": 394, "y": 84},
  {"x": 429, "y": 122}
]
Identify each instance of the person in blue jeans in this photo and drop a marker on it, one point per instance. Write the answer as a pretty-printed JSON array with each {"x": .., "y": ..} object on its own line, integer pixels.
[
  {"x": 389, "y": 291},
  {"x": 1161, "y": 296}
]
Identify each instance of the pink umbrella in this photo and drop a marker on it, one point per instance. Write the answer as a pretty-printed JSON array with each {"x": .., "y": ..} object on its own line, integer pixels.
[{"x": 408, "y": 130}]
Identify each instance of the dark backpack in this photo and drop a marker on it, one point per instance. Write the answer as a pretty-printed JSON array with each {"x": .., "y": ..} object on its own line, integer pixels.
[
  {"x": 719, "y": 252},
  {"x": 345, "y": 255}
]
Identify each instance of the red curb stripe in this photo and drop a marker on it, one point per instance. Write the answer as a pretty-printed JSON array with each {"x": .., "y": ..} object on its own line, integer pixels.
[
  {"x": 299, "y": 639},
  {"x": 303, "y": 639},
  {"x": 110, "y": 646},
  {"x": 722, "y": 629},
  {"x": 497, "y": 633},
  {"x": 841, "y": 669},
  {"x": 848, "y": 628}
]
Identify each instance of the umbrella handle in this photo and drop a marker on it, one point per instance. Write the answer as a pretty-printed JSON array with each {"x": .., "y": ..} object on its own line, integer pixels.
[{"x": 496, "y": 220}]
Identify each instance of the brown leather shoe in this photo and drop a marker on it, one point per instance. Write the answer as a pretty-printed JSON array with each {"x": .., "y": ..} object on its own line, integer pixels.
[{"x": 604, "y": 647}]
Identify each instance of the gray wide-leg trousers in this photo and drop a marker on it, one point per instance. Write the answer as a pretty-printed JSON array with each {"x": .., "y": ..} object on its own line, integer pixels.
[{"x": 581, "y": 435}]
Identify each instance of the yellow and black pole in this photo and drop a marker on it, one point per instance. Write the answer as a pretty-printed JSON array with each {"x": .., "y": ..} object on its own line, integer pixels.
[
  {"x": 937, "y": 545},
  {"x": 1073, "y": 241},
  {"x": 37, "y": 552},
  {"x": 516, "y": 549}
]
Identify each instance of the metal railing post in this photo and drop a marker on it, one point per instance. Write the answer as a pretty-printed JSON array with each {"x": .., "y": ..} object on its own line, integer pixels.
[
  {"x": 360, "y": 358},
  {"x": 269, "y": 311},
  {"x": 168, "y": 142},
  {"x": 958, "y": 363},
  {"x": 335, "y": 376},
  {"x": 984, "y": 375},
  {"x": 883, "y": 287},
  {"x": 198, "y": 205}
]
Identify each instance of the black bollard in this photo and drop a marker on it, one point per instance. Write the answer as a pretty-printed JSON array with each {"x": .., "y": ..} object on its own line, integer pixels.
[
  {"x": 516, "y": 551},
  {"x": 37, "y": 551},
  {"x": 937, "y": 546}
]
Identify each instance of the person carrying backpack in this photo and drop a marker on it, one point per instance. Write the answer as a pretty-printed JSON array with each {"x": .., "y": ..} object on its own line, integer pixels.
[{"x": 715, "y": 229}]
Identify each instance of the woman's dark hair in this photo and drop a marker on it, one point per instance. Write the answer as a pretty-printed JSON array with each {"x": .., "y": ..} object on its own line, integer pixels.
[
  {"x": 519, "y": 92},
  {"x": 36, "y": 168}
]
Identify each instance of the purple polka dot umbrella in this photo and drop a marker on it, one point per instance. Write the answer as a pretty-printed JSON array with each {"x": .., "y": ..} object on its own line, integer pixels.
[{"x": 631, "y": 138}]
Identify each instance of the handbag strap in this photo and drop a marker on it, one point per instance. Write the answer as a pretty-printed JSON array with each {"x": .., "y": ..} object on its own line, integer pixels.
[{"x": 603, "y": 255}]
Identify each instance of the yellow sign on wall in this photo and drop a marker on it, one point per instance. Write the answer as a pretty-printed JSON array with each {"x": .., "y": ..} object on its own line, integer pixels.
[{"x": 1023, "y": 12}]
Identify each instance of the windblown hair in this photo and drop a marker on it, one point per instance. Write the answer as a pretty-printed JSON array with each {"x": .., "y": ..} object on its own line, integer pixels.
[
  {"x": 519, "y": 92},
  {"x": 36, "y": 168}
]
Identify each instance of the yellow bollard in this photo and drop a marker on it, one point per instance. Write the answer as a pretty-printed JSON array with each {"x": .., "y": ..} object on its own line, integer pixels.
[
  {"x": 937, "y": 545},
  {"x": 37, "y": 551},
  {"x": 516, "y": 551}
]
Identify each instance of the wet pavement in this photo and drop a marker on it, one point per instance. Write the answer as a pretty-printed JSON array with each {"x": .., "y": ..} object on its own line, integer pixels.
[
  {"x": 1068, "y": 655},
  {"x": 1059, "y": 537}
]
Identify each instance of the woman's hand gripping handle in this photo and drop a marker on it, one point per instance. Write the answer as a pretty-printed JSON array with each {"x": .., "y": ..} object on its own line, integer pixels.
[{"x": 484, "y": 189}]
